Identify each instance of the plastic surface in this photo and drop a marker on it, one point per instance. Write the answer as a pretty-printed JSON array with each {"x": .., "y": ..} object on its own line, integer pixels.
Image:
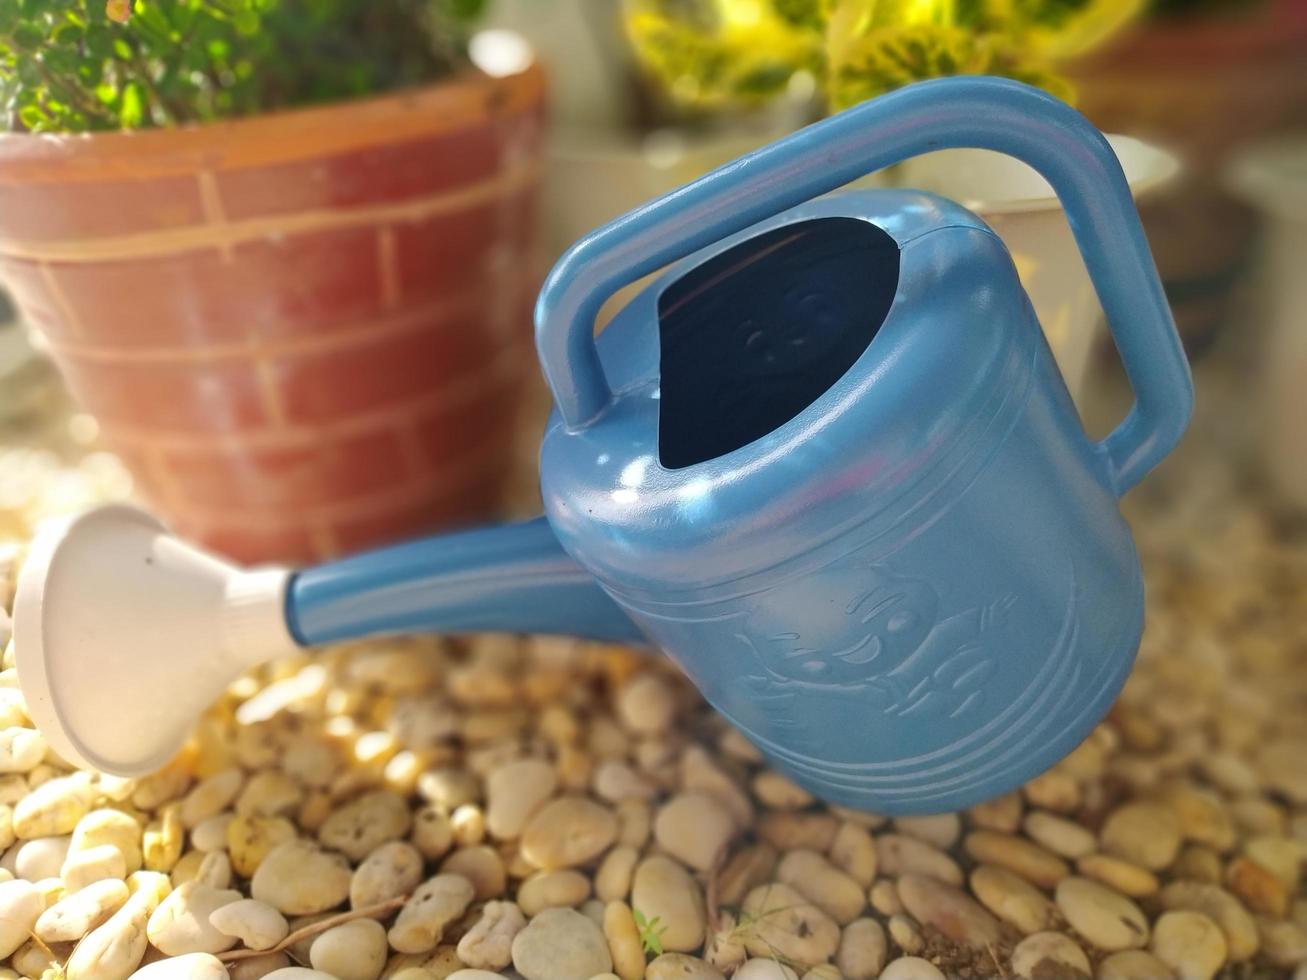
[
  {"x": 513, "y": 578},
  {"x": 123, "y": 635}
]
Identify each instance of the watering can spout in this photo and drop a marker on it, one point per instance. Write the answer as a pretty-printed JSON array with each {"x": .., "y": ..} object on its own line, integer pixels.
[
  {"x": 514, "y": 578},
  {"x": 124, "y": 634}
]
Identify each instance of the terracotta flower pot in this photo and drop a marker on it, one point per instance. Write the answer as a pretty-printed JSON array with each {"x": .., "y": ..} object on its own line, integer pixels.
[{"x": 304, "y": 332}]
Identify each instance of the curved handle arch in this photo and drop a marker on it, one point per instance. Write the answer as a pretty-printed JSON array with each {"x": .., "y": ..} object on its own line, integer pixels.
[{"x": 981, "y": 112}]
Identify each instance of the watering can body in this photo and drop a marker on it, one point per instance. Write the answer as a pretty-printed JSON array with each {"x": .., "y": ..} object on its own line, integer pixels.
[
  {"x": 917, "y": 590},
  {"x": 825, "y": 461}
]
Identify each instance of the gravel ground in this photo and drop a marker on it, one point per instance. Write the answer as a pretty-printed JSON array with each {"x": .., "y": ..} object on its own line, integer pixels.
[{"x": 500, "y": 807}]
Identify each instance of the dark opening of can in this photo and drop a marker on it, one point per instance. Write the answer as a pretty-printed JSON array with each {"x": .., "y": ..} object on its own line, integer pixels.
[{"x": 755, "y": 335}]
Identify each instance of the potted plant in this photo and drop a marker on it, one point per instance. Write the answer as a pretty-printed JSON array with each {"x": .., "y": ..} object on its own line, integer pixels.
[{"x": 283, "y": 251}]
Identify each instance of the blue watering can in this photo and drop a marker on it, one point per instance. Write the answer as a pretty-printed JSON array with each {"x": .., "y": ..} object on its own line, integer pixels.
[{"x": 825, "y": 462}]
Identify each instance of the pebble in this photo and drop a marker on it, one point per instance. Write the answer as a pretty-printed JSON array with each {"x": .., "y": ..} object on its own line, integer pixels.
[
  {"x": 489, "y": 943},
  {"x": 911, "y": 968},
  {"x": 560, "y": 944},
  {"x": 434, "y": 905},
  {"x": 40, "y": 858},
  {"x": 391, "y": 870},
  {"x": 1061, "y": 836},
  {"x": 84, "y": 867},
  {"x": 514, "y": 792},
  {"x": 1234, "y": 921},
  {"x": 782, "y": 923},
  {"x": 195, "y": 966},
  {"x": 1018, "y": 855},
  {"x": 624, "y": 943},
  {"x": 249, "y": 837},
  {"x": 480, "y": 865},
  {"x": 1260, "y": 890},
  {"x": 613, "y": 877},
  {"x": 699, "y": 771},
  {"x": 112, "y": 828},
  {"x": 862, "y": 949},
  {"x": 299, "y": 878},
  {"x": 351, "y": 951},
  {"x": 899, "y": 855},
  {"x": 211, "y": 796},
  {"x": 567, "y": 832},
  {"x": 905, "y": 934},
  {"x": 1144, "y": 833},
  {"x": 854, "y": 852},
  {"x": 1283, "y": 943},
  {"x": 1202, "y": 816},
  {"x": 773, "y": 790},
  {"x": 695, "y": 828},
  {"x": 662, "y": 889},
  {"x": 1012, "y": 898},
  {"x": 298, "y": 973},
  {"x": 1133, "y": 964},
  {"x": 1105, "y": 917},
  {"x": 1127, "y": 878},
  {"x": 1190, "y": 944},
  {"x": 54, "y": 808},
  {"x": 940, "y": 829},
  {"x": 646, "y": 704},
  {"x": 786, "y": 830},
  {"x": 942, "y": 906},
  {"x": 181, "y": 922},
  {"x": 115, "y": 949},
  {"x": 552, "y": 889},
  {"x": 837, "y": 894},
  {"x": 1003, "y": 813},
  {"x": 20, "y": 906},
  {"x": 364, "y": 824},
  {"x": 679, "y": 966},
  {"x": 21, "y": 749},
  {"x": 884, "y": 897},
  {"x": 256, "y": 924},
  {"x": 1049, "y": 954},
  {"x": 71, "y": 918},
  {"x": 764, "y": 969}
]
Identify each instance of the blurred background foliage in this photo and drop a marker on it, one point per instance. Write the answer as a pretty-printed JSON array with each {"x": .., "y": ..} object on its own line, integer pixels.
[
  {"x": 85, "y": 65},
  {"x": 738, "y": 53}
]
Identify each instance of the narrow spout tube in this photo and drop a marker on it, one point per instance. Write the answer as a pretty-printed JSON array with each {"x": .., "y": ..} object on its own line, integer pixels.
[{"x": 513, "y": 578}]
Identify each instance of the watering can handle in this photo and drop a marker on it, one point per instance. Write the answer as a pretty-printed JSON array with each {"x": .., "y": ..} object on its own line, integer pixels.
[{"x": 988, "y": 113}]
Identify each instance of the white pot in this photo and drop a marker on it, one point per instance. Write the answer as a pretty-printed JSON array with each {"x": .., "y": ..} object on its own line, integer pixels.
[
  {"x": 1273, "y": 177},
  {"x": 594, "y": 177}
]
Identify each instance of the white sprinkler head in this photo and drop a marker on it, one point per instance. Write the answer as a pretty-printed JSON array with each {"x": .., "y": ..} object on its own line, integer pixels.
[{"x": 124, "y": 635}]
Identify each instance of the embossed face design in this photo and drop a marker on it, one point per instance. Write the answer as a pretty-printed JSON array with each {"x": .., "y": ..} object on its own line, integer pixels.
[{"x": 876, "y": 621}]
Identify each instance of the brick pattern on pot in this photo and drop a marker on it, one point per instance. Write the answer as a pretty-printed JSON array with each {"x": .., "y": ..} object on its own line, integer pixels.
[{"x": 305, "y": 357}]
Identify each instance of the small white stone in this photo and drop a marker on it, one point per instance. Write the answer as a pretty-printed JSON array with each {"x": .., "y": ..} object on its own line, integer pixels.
[
  {"x": 256, "y": 924},
  {"x": 911, "y": 968},
  {"x": 560, "y": 944},
  {"x": 351, "y": 951},
  {"x": 646, "y": 704},
  {"x": 694, "y": 828},
  {"x": 21, "y": 905},
  {"x": 1048, "y": 954},
  {"x": 181, "y": 923},
  {"x": 193, "y": 966},
  {"x": 71, "y": 918},
  {"x": 437, "y": 902}
]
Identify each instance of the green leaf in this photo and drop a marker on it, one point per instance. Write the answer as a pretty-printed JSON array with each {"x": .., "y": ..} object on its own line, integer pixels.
[
  {"x": 132, "y": 112},
  {"x": 27, "y": 37}
]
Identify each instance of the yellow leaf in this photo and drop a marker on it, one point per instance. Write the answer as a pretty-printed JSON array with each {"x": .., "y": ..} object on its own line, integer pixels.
[{"x": 119, "y": 10}]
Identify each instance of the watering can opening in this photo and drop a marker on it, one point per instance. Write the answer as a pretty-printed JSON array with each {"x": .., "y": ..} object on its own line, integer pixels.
[{"x": 753, "y": 336}]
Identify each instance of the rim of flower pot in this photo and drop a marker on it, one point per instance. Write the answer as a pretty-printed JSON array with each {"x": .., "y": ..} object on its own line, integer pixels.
[{"x": 276, "y": 137}]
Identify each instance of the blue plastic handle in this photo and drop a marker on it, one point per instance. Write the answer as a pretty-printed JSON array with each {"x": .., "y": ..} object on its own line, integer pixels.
[{"x": 988, "y": 113}]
